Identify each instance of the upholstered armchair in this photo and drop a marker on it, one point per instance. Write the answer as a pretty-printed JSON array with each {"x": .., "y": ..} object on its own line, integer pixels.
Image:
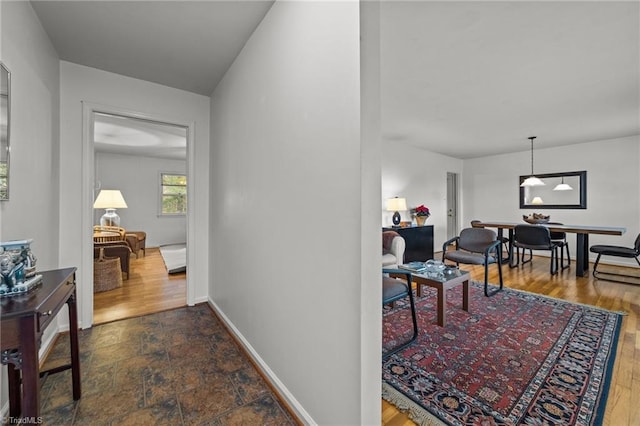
[
  {"x": 137, "y": 241},
  {"x": 393, "y": 246}
]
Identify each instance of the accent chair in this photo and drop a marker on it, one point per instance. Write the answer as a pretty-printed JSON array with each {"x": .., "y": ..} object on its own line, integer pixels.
[{"x": 476, "y": 246}]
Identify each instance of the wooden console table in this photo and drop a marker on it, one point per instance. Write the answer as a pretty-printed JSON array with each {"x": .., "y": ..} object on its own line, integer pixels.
[{"x": 23, "y": 320}]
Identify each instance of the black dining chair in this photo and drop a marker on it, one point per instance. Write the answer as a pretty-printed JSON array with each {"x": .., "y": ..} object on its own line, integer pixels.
[
  {"x": 394, "y": 289},
  {"x": 618, "y": 251},
  {"x": 534, "y": 237},
  {"x": 560, "y": 238},
  {"x": 476, "y": 246}
]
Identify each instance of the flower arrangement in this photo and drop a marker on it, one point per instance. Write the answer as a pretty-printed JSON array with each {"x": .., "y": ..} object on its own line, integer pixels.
[{"x": 420, "y": 211}]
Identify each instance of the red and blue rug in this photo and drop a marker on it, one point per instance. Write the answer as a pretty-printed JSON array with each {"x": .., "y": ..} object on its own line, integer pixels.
[{"x": 514, "y": 358}]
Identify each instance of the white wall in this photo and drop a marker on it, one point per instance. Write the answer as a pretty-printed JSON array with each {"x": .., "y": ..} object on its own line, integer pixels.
[
  {"x": 420, "y": 176},
  {"x": 491, "y": 190},
  {"x": 32, "y": 211},
  {"x": 83, "y": 84},
  {"x": 286, "y": 205},
  {"x": 138, "y": 178}
]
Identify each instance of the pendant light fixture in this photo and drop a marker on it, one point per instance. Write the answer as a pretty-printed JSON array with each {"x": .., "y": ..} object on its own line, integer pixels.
[
  {"x": 563, "y": 186},
  {"x": 532, "y": 180}
]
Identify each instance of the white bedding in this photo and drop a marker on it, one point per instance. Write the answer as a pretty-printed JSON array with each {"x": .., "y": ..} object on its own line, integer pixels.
[{"x": 175, "y": 257}]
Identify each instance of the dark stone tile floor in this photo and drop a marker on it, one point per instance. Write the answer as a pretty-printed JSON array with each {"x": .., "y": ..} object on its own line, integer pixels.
[{"x": 178, "y": 367}]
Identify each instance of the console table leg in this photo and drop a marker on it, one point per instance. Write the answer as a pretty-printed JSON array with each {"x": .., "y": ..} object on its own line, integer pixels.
[
  {"x": 73, "y": 337},
  {"x": 15, "y": 393},
  {"x": 30, "y": 367}
]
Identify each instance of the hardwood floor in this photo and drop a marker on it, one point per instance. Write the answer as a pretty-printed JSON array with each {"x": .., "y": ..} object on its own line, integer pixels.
[
  {"x": 149, "y": 289},
  {"x": 622, "y": 406}
]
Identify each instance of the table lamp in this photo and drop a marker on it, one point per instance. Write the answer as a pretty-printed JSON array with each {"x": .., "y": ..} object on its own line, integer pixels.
[
  {"x": 110, "y": 200},
  {"x": 396, "y": 205}
]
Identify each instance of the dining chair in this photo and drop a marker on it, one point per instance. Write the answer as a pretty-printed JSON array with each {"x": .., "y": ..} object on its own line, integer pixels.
[
  {"x": 476, "y": 246},
  {"x": 534, "y": 237},
  {"x": 394, "y": 289},
  {"x": 560, "y": 238},
  {"x": 618, "y": 251}
]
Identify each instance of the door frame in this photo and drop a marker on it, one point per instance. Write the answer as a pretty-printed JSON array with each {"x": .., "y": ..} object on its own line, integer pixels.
[{"x": 85, "y": 274}]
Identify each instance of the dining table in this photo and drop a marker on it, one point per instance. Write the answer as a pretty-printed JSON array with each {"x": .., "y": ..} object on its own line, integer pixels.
[{"x": 582, "y": 237}]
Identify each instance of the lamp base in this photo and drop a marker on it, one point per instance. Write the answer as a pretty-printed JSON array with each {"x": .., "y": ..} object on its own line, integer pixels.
[
  {"x": 396, "y": 218},
  {"x": 110, "y": 218}
]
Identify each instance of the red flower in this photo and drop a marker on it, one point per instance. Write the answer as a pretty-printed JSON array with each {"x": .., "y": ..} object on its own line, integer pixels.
[{"x": 421, "y": 210}]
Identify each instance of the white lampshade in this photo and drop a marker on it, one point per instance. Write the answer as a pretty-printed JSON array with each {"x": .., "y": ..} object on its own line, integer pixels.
[
  {"x": 396, "y": 204},
  {"x": 563, "y": 186},
  {"x": 110, "y": 199},
  {"x": 537, "y": 200},
  {"x": 532, "y": 181}
]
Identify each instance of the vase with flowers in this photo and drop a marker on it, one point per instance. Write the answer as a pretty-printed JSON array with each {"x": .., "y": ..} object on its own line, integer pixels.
[{"x": 421, "y": 213}]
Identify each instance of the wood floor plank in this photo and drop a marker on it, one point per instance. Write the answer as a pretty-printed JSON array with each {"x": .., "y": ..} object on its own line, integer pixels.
[
  {"x": 622, "y": 408},
  {"x": 149, "y": 289}
]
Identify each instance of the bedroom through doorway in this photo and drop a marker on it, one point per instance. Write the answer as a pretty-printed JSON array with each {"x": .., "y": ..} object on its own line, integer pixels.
[{"x": 146, "y": 160}]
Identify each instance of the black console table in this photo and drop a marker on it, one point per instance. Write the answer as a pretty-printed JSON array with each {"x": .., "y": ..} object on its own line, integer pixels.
[
  {"x": 419, "y": 241},
  {"x": 23, "y": 319}
]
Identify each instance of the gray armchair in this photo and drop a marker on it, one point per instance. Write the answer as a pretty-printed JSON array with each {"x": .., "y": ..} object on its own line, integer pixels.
[
  {"x": 395, "y": 289},
  {"x": 476, "y": 246}
]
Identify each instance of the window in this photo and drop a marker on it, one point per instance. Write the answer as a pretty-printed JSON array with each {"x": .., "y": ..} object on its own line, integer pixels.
[{"x": 173, "y": 189}]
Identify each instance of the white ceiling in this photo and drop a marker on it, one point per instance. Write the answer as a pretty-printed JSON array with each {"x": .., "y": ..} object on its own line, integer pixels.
[
  {"x": 132, "y": 136},
  {"x": 188, "y": 45},
  {"x": 467, "y": 79},
  {"x": 464, "y": 79}
]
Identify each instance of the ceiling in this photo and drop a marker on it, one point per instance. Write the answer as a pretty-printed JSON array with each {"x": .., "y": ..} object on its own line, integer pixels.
[
  {"x": 133, "y": 136},
  {"x": 468, "y": 79},
  {"x": 465, "y": 79}
]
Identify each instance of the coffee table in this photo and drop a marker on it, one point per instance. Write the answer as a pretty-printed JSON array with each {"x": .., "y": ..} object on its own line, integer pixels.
[{"x": 442, "y": 283}]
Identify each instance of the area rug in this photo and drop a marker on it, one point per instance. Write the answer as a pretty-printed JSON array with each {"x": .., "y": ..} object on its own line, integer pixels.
[
  {"x": 175, "y": 257},
  {"x": 514, "y": 358}
]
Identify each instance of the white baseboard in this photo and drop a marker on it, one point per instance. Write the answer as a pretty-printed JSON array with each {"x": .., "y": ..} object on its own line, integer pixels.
[{"x": 282, "y": 390}]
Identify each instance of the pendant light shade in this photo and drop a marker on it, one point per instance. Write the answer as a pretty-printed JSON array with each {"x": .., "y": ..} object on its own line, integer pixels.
[
  {"x": 532, "y": 180},
  {"x": 563, "y": 186},
  {"x": 537, "y": 201}
]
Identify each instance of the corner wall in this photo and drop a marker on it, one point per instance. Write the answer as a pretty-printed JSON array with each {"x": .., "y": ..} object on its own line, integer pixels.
[
  {"x": 286, "y": 221},
  {"x": 32, "y": 210},
  {"x": 420, "y": 176}
]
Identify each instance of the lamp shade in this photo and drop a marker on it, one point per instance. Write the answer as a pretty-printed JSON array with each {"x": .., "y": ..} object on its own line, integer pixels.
[
  {"x": 537, "y": 201},
  {"x": 532, "y": 181},
  {"x": 110, "y": 199},
  {"x": 396, "y": 204},
  {"x": 563, "y": 186}
]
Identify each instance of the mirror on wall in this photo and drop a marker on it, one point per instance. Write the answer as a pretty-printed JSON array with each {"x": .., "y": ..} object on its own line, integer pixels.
[
  {"x": 566, "y": 190},
  {"x": 5, "y": 98}
]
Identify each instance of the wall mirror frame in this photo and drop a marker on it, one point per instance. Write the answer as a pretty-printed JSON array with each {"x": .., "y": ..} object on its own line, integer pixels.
[
  {"x": 573, "y": 199},
  {"x": 5, "y": 131}
]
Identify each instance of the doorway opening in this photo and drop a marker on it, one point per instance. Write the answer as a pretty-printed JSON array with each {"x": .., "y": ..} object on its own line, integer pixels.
[{"x": 131, "y": 152}]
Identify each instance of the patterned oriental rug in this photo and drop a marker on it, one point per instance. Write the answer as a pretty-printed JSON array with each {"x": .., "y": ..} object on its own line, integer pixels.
[{"x": 514, "y": 358}]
